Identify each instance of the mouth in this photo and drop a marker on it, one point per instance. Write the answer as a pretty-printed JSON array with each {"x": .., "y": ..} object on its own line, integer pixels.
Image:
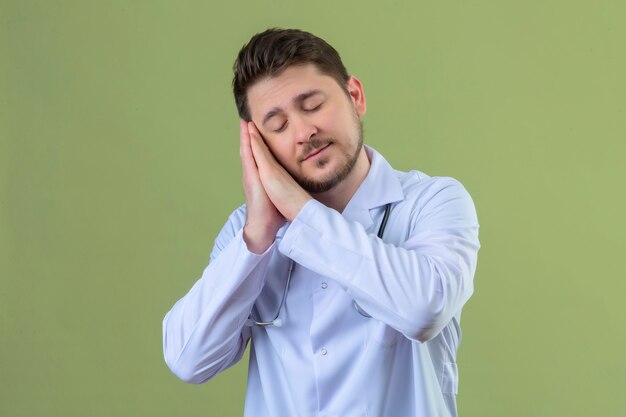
[{"x": 312, "y": 155}]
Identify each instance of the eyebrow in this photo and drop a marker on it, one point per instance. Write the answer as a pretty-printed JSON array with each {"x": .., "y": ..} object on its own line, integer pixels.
[{"x": 297, "y": 99}]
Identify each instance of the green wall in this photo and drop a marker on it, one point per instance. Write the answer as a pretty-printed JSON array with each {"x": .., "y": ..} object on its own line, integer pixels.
[{"x": 119, "y": 164}]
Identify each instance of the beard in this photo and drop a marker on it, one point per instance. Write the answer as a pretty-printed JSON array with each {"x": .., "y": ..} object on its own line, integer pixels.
[{"x": 338, "y": 175}]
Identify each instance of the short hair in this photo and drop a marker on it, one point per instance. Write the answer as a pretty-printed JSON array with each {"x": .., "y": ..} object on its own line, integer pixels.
[{"x": 269, "y": 53}]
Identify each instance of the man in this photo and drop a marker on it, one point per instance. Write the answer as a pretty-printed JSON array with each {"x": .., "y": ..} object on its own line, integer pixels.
[{"x": 342, "y": 322}]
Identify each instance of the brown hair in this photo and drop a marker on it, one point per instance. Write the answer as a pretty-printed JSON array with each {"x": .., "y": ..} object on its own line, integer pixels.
[{"x": 269, "y": 53}]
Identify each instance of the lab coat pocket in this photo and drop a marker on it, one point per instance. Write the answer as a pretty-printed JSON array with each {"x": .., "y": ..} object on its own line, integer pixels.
[{"x": 450, "y": 378}]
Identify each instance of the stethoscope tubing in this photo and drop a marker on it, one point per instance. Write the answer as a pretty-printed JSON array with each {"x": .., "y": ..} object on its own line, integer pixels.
[{"x": 276, "y": 321}]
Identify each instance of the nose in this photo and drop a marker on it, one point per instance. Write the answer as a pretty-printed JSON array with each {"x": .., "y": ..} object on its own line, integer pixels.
[{"x": 303, "y": 129}]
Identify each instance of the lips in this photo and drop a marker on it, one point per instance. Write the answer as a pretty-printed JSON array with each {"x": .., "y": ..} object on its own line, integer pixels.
[{"x": 315, "y": 152}]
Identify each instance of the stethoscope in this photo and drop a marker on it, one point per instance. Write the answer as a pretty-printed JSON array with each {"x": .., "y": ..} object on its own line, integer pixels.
[{"x": 276, "y": 322}]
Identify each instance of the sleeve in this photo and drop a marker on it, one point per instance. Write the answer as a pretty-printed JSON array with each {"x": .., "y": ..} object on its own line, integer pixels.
[
  {"x": 204, "y": 332},
  {"x": 416, "y": 287}
]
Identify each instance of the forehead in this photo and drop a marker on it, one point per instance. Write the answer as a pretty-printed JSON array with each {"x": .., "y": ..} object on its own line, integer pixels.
[{"x": 279, "y": 91}]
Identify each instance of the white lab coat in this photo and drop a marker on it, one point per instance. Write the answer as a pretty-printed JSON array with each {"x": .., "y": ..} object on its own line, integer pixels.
[{"x": 327, "y": 359}]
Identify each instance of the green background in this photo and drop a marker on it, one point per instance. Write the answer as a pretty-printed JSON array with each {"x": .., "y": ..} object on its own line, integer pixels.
[{"x": 119, "y": 164}]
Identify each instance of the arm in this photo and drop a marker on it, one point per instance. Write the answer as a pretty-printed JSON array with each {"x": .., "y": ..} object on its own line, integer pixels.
[
  {"x": 415, "y": 288},
  {"x": 204, "y": 332}
]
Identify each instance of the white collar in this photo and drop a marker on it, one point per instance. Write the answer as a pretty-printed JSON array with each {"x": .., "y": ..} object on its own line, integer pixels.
[{"x": 380, "y": 187}]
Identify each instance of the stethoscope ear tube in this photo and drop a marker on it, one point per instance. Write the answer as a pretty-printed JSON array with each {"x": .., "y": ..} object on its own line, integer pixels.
[
  {"x": 277, "y": 322},
  {"x": 383, "y": 224}
]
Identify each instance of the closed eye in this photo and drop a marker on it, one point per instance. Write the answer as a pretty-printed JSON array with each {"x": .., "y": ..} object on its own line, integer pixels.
[
  {"x": 281, "y": 128},
  {"x": 308, "y": 110},
  {"x": 314, "y": 108}
]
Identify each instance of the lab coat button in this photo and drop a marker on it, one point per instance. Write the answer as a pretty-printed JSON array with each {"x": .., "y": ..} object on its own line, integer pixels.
[
  {"x": 324, "y": 285},
  {"x": 324, "y": 352}
]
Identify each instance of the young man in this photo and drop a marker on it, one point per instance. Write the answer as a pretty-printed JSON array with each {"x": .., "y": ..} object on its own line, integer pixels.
[{"x": 346, "y": 276}]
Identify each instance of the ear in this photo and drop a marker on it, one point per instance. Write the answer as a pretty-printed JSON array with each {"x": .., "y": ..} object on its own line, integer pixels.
[{"x": 355, "y": 91}]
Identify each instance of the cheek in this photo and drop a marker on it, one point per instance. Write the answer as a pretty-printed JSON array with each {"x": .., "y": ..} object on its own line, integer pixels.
[
  {"x": 336, "y": 122},
  {"x": 333, "y": 115}
]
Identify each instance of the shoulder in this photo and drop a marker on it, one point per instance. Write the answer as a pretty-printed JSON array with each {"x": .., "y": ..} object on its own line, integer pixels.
[
  {"x": 438, "y": 200},
  {"x": 420, "y": 187}
]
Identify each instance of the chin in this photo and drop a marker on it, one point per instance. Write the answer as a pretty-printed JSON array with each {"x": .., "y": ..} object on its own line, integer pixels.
[{"x": 323, "y": 181}]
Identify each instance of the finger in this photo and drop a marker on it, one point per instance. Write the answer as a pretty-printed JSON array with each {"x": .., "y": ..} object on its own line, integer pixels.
[
  {"x": 266, "y": 162},
  {"x": 245, "y": 151},
  {"x": 260, "y": 151}
]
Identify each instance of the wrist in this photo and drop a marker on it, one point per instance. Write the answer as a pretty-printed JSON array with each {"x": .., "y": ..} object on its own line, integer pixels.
[
  {"x": 258, "y": 240},
  {"x": 297, "y": 205}
]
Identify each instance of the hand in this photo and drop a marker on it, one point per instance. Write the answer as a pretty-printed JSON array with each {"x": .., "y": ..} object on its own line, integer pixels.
[
  {"x": 283, "y": 191},
  {"x": 262, "y": 218}
]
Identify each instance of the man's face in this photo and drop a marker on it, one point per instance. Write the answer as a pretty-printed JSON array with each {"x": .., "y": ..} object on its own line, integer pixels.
[{"x": 310, "y": 124}]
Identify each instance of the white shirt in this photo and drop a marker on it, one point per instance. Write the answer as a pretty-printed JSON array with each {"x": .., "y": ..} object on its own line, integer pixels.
[{"x": 327, "y": 359}]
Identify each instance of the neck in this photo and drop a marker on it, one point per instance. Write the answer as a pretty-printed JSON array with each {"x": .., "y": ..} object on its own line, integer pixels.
[{"x": 339, "y": 197}]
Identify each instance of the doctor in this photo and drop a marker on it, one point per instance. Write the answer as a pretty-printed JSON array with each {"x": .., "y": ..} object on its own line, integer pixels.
[{"x": 347, "y": 277}]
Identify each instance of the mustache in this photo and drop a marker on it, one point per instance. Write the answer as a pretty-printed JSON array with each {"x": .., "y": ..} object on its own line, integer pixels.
[{"x": 312, "y": 145}]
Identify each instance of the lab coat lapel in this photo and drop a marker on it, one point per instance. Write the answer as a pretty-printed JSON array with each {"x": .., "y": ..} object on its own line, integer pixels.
[{"x": 380, "y": 186}]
